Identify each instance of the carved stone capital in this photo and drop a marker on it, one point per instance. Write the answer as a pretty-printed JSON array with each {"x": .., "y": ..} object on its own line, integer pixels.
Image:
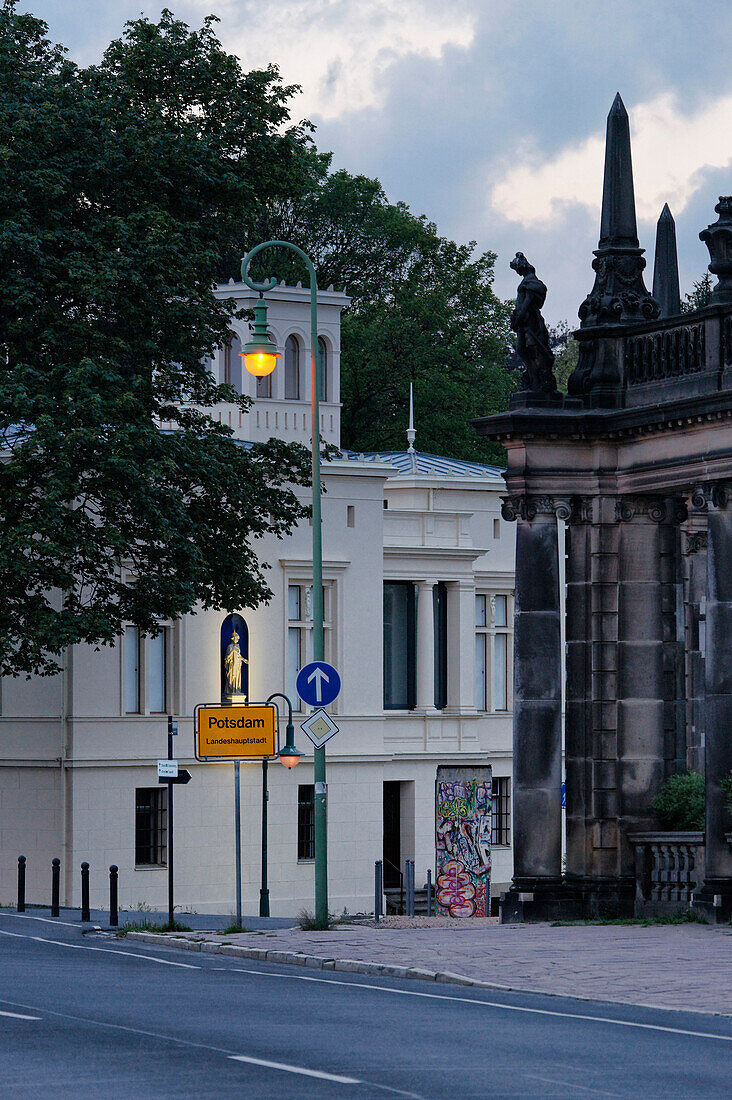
[
  {"x": 706, "y": 493},
  {"x": 528, "y": 507},
  {"x": 656, "y": 509},
  {"x": 695, "y": 541},
  {"x": 581, "y": 510}
]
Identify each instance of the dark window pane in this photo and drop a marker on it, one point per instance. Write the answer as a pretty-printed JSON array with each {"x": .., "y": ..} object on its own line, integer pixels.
[
  {"x": 501, "y": 819},
  {"x": 439, "y": 596},
  {"x": 292, "y": 369},
  {"x": 151, "y": 821},
  {"x": 398, "y": 646},
  {"x": 323, "y": 369},
  {"x": 306, "y": 821}
]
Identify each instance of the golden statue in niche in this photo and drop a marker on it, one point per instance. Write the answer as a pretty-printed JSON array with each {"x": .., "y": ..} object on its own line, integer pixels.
[{"x": 233, "y": 661}]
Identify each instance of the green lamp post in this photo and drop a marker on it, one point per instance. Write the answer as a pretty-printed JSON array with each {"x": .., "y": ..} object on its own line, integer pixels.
[{"x": 260, "y": 346}]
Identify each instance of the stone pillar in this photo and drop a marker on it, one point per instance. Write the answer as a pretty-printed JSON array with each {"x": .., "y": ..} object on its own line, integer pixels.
[
  {"x": 581, "y": 586},
  {"x": 425, "y": 646},
  {"x": 715, "y": 897},
  {"x": 695, "y": 601},
  {"x": 646, "y": 669},
  {"x": 537, "y": 719},
  {"x": 461, "y": 646}
]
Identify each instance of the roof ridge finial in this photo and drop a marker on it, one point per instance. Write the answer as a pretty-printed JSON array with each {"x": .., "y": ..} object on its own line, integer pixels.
[{"x": 411, "y": 433}]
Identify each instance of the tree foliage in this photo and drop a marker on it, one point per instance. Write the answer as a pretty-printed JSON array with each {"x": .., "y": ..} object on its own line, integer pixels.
[
  {"x": 123, "y": 186},
  {"x": 423, "y": 310},
  {"x": 699, "y": 295},
  {"x": 680, "y": 802}
]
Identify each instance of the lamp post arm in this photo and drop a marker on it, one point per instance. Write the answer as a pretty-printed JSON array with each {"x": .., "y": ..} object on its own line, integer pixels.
[
  {"x": 280, "y": 695},
  {"x": 315, "y": 370}
]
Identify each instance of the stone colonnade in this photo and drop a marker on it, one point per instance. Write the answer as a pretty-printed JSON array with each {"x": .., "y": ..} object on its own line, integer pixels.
[{"x": 625, "y": 705}]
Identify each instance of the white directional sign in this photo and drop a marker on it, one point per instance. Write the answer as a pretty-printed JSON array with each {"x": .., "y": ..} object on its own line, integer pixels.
[
  {"x": 167, "y": 769},
  {"x": 319, "y": 727}
]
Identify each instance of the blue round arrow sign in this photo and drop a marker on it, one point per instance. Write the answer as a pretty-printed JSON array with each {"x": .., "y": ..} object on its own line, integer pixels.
[{"x": 318, "y": 684}]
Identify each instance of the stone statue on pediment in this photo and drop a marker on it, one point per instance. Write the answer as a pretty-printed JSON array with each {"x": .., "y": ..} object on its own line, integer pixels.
[
  {"x": 532, "y": 338},
  {"x": 233, "y": 660}
]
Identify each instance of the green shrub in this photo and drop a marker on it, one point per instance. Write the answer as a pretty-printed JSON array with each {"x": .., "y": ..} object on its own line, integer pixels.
[{"x": 680, "y": 803}]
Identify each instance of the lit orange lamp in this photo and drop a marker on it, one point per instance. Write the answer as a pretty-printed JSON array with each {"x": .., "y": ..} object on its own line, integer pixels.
[{"x": 260, "y": 354}]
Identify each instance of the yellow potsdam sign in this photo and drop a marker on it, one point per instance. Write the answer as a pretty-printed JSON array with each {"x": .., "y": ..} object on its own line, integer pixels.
[{"x": 243, "y": 732}]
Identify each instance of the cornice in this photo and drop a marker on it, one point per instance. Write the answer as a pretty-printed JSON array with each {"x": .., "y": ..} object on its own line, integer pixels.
[{"x": 605, "y": 424}]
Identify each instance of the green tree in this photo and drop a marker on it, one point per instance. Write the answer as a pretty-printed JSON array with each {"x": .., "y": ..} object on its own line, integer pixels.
[
  {"x": 423, "y": 310},
  {"x": 680, "y": 802},
  {"x": 123, "y": 188},
  {"x": 699, "y": 295},
  {"x": 566, "y": 353}
]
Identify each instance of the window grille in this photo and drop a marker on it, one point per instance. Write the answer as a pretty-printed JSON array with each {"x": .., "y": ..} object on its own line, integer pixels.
[
  {"x": 306, "y": 821},
  {"x": 151, "y": 826},
  {"x": 501, "y": 812}
]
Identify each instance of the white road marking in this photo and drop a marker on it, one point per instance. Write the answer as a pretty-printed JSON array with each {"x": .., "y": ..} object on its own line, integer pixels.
[
  {"x": 210, "y": 1048},
  {"x": 565, "y": 1084},
  {"x": 46, "y": 920},
  {"x": 18, "y": 1016},
  {"x": 487, "y": 1004},
  {"x": 297, "y": 1069},
  {"x": 101, "y": 950}
]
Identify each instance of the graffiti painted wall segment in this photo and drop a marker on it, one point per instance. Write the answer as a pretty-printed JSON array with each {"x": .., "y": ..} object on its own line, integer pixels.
[{"x": 463, "y": 842}]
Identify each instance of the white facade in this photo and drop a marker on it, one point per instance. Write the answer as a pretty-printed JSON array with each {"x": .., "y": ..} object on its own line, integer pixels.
[{"x": 73, "y": 760}]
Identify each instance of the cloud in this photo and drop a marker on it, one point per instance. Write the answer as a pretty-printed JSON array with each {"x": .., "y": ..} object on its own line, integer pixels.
[
  {"x": 338, "y": 51},
  {"x": 671, "y": 152}
]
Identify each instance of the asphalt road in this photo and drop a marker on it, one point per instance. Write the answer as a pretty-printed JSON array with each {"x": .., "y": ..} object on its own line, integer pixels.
[{"x": 95, "y": 1016}]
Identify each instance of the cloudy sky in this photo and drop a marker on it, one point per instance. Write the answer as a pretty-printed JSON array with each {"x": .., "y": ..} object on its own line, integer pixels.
[{"x": 488, "y": 116}]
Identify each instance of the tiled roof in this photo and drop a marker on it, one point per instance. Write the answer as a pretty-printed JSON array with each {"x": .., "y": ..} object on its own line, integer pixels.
[{"x": 415, "y": 462}]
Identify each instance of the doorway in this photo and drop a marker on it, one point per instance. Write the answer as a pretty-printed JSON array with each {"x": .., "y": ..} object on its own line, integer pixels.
[{"x": 392, "y": 852}]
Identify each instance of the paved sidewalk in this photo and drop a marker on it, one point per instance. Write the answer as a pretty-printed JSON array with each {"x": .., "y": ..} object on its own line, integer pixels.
[{"x": 686, "y": 966}]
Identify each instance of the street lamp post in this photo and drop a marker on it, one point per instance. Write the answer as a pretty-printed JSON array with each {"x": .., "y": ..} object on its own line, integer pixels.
[
  {"x": 262, "y": 358},
  {"x": 289, "y": 756}
]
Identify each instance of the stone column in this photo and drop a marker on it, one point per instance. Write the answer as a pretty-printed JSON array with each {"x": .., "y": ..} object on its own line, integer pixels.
[
  {"x": 537, "y": 731},
  {"x": 716, "y": 895},
  {"x": 578, "y": 733},
  {"x": 425, "y": 646},
  {"x": 646, "y": 689},
  {"x": 695, "y": 602}
]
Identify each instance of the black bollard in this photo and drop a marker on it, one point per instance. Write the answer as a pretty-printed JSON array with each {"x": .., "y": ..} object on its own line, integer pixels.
[
  {"x": 85, "y": 914},
  {"x": 378, "y": 888},
  {"x": 21, "y": 884},
  {"x": 429, "y": 892},
  {"x": 55, "y": 888},
  {"x": 113, "y": 911}
]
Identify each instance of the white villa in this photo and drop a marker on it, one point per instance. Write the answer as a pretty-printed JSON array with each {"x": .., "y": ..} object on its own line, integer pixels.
[{"x": 418, "y": 573}]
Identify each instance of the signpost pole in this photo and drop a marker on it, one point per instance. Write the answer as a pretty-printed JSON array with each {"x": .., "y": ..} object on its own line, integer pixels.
[
  {"x": 321, "y": 809},
  {"x": 237, "y": 841},
  {"x": 170, "y": 786},
  {"x": 264, "y": 891}
]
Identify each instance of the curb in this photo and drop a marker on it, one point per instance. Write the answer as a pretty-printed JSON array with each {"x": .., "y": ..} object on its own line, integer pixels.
[
  {"x": 314, "y": 962},
  {"x": 386, "y": 970}
]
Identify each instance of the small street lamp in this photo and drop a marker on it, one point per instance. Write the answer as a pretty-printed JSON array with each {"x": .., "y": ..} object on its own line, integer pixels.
[
  {"x": 257, "y": 346},
  {"x": 260, "y": 354},
  {"x": 288, "y": 755}
]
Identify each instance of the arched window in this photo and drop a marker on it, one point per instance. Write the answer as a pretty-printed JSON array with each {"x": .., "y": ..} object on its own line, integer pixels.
[
  {"x": 231, "y": 363},
  {"x": 292, "y": 369},
  {"x": 323, "y": 365}
]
